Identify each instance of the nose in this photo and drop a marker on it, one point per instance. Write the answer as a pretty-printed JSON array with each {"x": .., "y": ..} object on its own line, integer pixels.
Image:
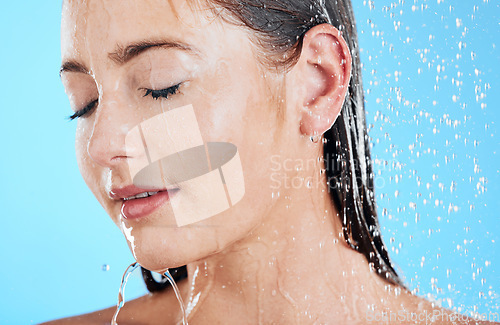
[{"x": 106, "y": 145}]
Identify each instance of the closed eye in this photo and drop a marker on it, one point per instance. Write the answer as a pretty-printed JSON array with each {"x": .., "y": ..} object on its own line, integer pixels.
[
  {"x": 163, "y": 93},
  {"x": 85, "y": 110}
]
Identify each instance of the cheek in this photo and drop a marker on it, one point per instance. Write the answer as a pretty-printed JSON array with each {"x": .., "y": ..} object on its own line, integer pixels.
[
  {"x": 234, "y": 104},
  {"x": 246, "y": 118},
  {"x": 81, "y": 141},
  {"x": 239, "y": 108},
  {"x": 92, "y": 174}
]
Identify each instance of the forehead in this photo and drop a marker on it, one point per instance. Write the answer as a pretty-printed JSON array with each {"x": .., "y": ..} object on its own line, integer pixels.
[{"x": 92, "y": 28}]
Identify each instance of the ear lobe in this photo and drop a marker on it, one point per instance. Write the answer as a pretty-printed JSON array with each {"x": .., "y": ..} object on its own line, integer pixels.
[{"x": 325, "y": 70}]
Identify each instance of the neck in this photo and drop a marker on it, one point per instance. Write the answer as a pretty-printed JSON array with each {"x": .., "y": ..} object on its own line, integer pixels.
[{"x": 291, "y": 268}]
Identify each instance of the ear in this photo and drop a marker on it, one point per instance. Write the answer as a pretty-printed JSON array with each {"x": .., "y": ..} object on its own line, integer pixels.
[{"x": 323, "y": 71}]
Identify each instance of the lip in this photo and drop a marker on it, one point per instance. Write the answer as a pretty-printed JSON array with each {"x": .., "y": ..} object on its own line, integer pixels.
[{"x": 140, "y": 208}]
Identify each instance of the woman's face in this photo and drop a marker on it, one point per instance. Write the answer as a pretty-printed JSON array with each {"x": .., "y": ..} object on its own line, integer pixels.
[{"x": 122, "y": 54}]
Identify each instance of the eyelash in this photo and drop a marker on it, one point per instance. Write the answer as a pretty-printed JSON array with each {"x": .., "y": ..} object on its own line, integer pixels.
[
  {"x": 164, "y": 93},
  {"x": 155, "y": 94},
  {"x": 84, "y": 110}
]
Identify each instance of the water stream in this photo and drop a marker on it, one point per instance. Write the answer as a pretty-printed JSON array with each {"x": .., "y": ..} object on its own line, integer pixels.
[
  {"x": 178, "y": 295},
  {"x": 121, "y": 294}
]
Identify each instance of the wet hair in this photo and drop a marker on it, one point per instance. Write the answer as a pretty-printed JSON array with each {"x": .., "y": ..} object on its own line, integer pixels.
[{"x": 278, "y": 28}]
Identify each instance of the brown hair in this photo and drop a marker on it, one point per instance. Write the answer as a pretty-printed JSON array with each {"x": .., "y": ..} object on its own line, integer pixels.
[{"x": 279, "y": 27}]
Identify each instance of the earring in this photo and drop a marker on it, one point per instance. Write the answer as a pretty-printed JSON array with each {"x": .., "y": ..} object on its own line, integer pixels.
[{"x": 315, "y": 138}]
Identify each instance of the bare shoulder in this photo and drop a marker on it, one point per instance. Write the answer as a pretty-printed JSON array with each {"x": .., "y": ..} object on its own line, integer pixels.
[
  {"x": 147, "y": 309},
  {"x": 98, "y": 317}
]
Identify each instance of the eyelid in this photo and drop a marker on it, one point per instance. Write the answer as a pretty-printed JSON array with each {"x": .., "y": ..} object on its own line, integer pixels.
[
  {"x": 155, "y": 94},
  {"x": 84, "y": 111},
  {"x": 163, "y": 93}
]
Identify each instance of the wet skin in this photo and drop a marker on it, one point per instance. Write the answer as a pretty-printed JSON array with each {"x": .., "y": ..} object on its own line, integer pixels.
[{"x": 278, "y": 256}]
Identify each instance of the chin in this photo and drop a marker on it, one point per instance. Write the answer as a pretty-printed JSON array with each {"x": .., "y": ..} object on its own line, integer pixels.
[
  {"x": 156, "y": 268},
  {"x": 157, "y": 250},
  {"x": 156, "y": 262},
  {"x": 156, "y": 254},
  {"x": 158, "y": 246}
]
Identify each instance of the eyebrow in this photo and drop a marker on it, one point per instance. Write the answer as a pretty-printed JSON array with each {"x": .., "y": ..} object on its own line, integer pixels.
[
  {"x": 123, "y": 54},
  {"x": 73, "y": 66}
]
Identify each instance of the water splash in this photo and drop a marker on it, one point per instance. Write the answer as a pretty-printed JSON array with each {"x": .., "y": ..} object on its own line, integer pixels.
[
  {"x": 178, "y": 295},
  {"x": 121, "y": 293},
  {"x": 433, "y": 137}
]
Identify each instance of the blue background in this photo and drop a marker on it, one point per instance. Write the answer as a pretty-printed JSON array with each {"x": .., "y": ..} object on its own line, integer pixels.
[{"x": 431, "y": 81}]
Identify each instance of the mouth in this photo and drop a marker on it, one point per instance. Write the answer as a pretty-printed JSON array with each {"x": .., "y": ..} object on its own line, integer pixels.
[
  {"x": 140, "y": 203},
  {"x": 141, "y": 195}
]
